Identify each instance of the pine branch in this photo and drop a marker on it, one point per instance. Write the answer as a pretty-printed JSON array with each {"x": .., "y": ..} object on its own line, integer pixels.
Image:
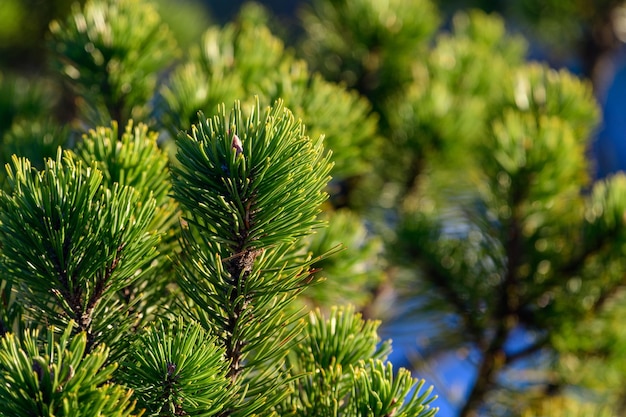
[
  {"x": 342, "y": 370},
  {"x": 52, "y": 375},
  {"x": 73, "y": 241},
  {"x": 110, "y": 53},
  {"x": 494, "y": 357},
  {"x": 133, "y": 158},
  {"x": 177, "y": 369},
  {"x": 250, "y": 190}
]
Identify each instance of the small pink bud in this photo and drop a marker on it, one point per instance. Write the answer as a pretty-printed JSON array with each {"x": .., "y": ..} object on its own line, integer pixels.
[{"x": 236, "y": 144}]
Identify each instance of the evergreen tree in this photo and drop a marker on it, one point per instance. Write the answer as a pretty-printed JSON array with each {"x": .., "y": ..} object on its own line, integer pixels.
[
  {"x": 131, "y": 291},
  {"x": 163, "y": 253},
  {"x": 492, "y": 233}
]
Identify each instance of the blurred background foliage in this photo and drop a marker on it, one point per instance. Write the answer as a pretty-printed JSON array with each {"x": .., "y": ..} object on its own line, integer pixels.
[{"x": 462, "y": 188}]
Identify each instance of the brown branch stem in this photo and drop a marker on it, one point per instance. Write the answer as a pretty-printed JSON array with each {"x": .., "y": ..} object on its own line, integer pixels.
[
  {"x": 494, "y": 358},
  {"x": 82, "y": 312},
  {"x": 239, "y": 266}
]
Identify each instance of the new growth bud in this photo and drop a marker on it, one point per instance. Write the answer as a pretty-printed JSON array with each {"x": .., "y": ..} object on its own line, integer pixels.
[{"x": 236, "y": 144}]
